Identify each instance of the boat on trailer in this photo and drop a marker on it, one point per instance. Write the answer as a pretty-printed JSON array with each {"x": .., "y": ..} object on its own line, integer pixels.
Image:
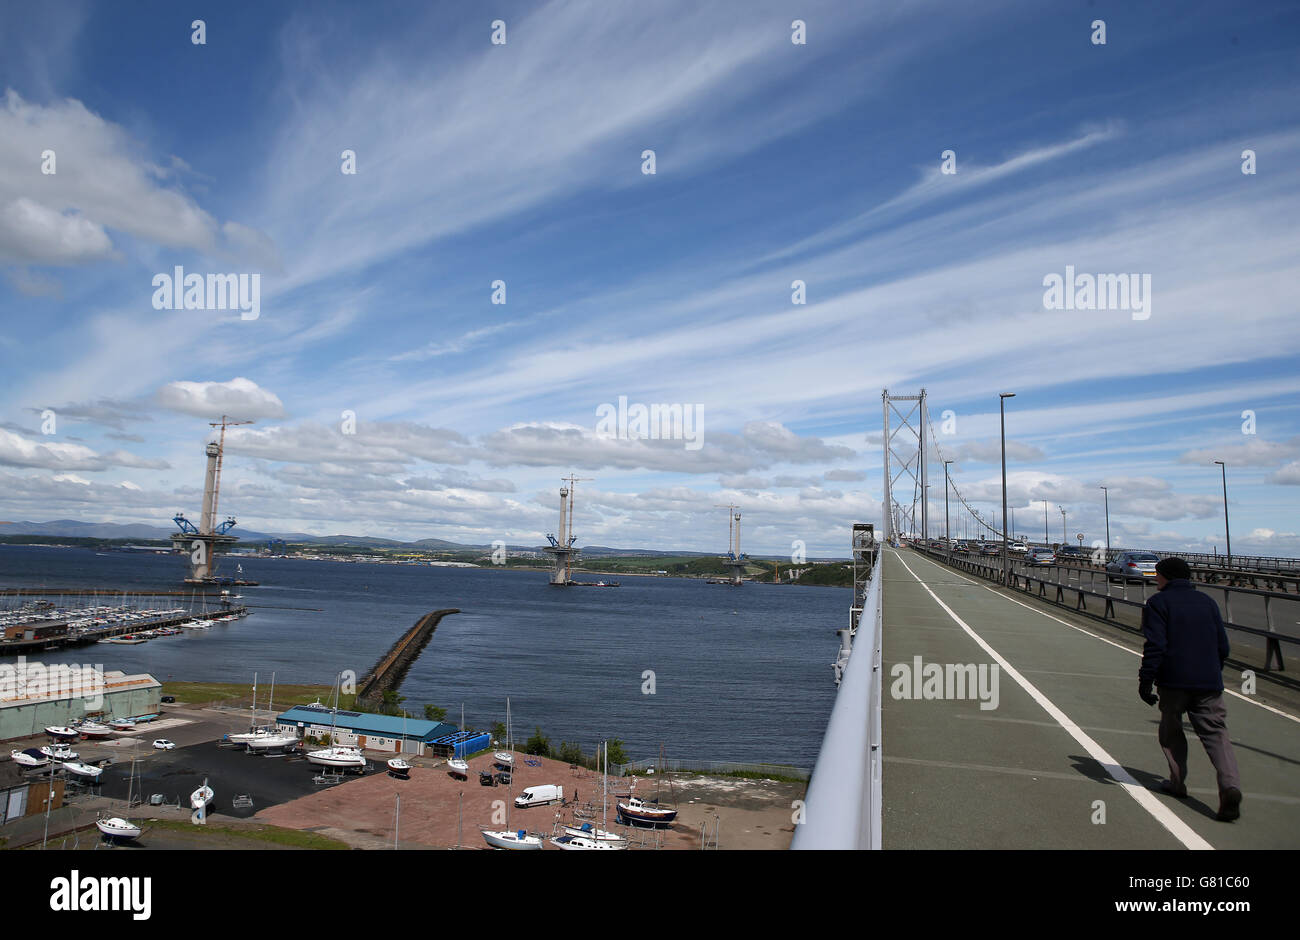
[
  {"x": 31, "y": 757},
  {"x": 63, "y": 733},
  {"x": 399, "y": 766},
  {"x": 114, "y": 827}
]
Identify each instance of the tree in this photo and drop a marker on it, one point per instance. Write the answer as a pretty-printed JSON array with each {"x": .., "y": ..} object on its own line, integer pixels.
[
  {"x": 616, "y": 753},
  {"x": 434, "y": 713},
  {"x": 538, "y": 744},
  {"x": 570, "y": 753},
  {"x": 499, "y": 731},
  {"x": 390, "y": 702}
]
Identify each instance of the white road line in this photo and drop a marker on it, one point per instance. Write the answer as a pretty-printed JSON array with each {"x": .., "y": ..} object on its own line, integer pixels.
[
  {"x": 1120, "y": 646},
  {"x": 1161, "y": 813}
]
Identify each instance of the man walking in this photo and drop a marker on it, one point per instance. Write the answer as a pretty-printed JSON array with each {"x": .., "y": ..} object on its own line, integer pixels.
[{"x": 1184, "y": 652}]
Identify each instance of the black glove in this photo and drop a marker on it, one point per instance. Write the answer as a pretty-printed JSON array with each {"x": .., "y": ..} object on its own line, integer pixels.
[{"x": 1145, "y": 693}]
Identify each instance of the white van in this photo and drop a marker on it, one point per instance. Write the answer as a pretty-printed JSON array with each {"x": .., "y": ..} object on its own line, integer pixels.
[{"x": 540, "y": 795}]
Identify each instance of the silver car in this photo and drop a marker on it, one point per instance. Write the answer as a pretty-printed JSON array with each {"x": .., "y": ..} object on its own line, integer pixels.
[
  {"x": 1133, "y": 566},
  {"x": 1040, "y": 556}
]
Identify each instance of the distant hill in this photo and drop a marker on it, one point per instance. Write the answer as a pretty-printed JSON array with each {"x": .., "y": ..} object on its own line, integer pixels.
[{"x": 70, "y": 528}]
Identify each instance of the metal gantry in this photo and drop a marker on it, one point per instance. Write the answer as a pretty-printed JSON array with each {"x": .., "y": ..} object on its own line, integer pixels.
[{"x": 911, "y": 463}]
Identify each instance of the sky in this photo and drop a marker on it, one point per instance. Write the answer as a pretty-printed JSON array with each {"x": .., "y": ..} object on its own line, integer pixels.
[{"x": 914, "y": 173}]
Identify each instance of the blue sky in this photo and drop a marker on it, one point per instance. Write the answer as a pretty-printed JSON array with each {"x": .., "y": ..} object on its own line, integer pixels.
[{"x": 775, "y": 162}]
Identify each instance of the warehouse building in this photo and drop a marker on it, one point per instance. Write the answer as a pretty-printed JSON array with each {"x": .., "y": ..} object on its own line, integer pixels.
[
  {"x": 34, "y": 696},
  {"x": 366, "y": 729}
]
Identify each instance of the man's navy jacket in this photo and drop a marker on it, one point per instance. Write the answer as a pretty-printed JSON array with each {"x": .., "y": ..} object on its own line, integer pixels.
[{"x": 1186, "y": 643}]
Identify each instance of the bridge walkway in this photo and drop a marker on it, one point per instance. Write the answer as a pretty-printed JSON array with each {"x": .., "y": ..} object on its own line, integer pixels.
[{"x": 1068, "y": 731}]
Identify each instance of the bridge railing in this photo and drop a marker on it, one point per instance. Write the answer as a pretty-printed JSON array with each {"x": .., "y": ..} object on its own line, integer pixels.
[
  {"x": 1055, "y": 592},
  {"x": 842, "y": 807}
]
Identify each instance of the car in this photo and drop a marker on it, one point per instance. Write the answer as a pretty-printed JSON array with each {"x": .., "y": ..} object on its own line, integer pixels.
[
  {"x": 163, "y": 744},
  {"x": 168, "y": 700},
  {"x": 961, "y": 547},
  {"x": 991, "y": 548},
  {"x": 1073, "y": 553},
  {"x": 1040, "y": 557},
  {"x": 1018, "y": 548},
  {"x": 1133, "y": 566}
]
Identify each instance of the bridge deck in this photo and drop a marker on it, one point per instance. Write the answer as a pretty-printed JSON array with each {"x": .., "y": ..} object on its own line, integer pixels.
[{"x": 957, "y": 776}]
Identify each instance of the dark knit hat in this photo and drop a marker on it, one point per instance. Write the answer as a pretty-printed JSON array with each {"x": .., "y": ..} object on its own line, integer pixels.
[{"x": 1173, "y": 568}]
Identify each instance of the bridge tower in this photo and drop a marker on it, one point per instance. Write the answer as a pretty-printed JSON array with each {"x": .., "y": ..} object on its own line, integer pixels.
[
  {"x": 206, "y": 541},
  {"x": 734, "y": 559},
  {"x": 902, "y": 460},
  {"x": 562, "y": 546}
]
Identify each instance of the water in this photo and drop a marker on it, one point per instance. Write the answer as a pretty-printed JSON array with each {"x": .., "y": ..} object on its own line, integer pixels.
[{"x": 740, "y": 674}]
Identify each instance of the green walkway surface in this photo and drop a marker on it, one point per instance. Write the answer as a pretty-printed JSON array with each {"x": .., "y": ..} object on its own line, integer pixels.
[{"x": 958, "y": 776}]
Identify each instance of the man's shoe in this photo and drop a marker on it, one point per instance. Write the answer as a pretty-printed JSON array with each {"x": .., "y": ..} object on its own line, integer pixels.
[
  {"x": 1167, "y": 786},
  {"x": 1229, "y": 805}
]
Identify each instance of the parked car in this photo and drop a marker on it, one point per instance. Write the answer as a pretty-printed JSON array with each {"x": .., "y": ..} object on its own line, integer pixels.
[
  {"x": 1040, "y": 557},
  {"x": 1133, "y": 566},
  {"x": 163, "y": 744},
  {"x": 168, "y": 700}
]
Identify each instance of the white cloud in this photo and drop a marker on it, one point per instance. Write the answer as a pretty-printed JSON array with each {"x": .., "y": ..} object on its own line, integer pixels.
[{"x": 239, "y": 398}]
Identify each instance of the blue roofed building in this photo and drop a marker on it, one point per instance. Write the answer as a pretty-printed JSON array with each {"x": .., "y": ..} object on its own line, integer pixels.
[{"x": 366, "y": 729}]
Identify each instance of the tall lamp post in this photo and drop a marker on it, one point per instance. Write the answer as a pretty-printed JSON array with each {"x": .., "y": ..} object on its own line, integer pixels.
[
  {"x": 1047, "y": 540},
  {"x": 1226, "y": 533},
  {"x": 1002, "y": 409},
  {"x": 947, "y": 536},
  {"x": 1065, "y": 539},
  {"x": 1107, "y": 492}
]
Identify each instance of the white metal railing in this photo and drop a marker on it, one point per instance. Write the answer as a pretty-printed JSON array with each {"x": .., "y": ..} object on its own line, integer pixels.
[{"x": 842, "y": 807}]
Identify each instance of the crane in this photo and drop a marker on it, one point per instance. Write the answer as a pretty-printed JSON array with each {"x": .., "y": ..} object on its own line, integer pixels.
[
  {"x": 225, "y": 422},
  {"x": 571, "y": 479}
]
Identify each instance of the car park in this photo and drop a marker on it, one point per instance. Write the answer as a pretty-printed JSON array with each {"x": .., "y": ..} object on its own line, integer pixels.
[
  {"x": 1133, "y": 566},
  {"x": 163, "y": 744}
]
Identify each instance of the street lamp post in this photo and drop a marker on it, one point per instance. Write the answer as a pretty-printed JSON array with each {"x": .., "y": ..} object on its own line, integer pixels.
[
  {"x": 1065, "y": 539},
  {"x": 947, "y": 536},
  {"x": 1046, "y": 538},
  {"x": 1227, "y": 534},
  {"x": 1107, "y": 492},
  {"x": 1002, "y": 409}
]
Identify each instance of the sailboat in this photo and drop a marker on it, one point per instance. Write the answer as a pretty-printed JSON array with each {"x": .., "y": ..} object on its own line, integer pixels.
[
  {"x": 202, "y": 797},
  {"x": 268, "y": 737},
  {"x": 119, "y": 827},
  {"x": 507, "y": 838},
  {"x": 586, "y": 836},
  {"x": 338, "y": 756},
  {"x": 399, "y": 766},
  {"x": 647, "y": 812}
]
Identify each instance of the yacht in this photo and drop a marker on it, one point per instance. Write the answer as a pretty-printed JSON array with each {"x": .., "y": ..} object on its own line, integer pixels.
[
  {"x": 29, "y": 758},
  {"x": 515, "y": 839},
  {"x": 339, "y": 757},
  {"x": 85, "y": 771},
  {"x": 114, "y": 827}
]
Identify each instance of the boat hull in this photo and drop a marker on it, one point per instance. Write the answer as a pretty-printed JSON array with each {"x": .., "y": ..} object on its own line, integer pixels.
[
  {"x": 512, "y": 840},
  {"x": 118, "y": 828}
]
